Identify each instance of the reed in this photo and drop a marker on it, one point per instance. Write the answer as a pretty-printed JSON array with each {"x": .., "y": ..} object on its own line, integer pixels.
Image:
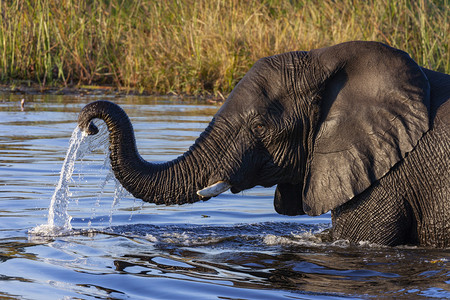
[{"x": 198, "y": 46}]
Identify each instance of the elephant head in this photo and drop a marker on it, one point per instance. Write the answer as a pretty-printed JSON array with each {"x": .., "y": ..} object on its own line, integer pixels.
[{"x": 322, "y": 125}]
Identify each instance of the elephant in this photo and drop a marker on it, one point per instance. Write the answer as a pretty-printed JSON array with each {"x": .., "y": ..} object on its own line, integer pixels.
[{"x": 358, "y": 128}]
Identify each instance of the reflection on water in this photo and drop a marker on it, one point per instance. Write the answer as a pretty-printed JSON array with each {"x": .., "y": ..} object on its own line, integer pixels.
[{"x": 230, "y": 247}]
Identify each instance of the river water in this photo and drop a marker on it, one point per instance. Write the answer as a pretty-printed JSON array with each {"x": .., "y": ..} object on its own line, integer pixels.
[{"x": 117, "y": 247}]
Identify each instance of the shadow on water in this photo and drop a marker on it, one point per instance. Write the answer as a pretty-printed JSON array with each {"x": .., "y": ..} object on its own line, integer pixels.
[
  {"x": 269, "y": 256},
  {"x": 278, "y": 256},
  {"x": 291, "y": 257}
]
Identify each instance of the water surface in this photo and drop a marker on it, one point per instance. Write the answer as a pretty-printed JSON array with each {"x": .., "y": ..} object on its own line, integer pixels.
[{"x": 230, "y": 247}]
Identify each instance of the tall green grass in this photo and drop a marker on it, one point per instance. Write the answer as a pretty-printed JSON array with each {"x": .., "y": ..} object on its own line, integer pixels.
[{"x": 198, "y": 46}]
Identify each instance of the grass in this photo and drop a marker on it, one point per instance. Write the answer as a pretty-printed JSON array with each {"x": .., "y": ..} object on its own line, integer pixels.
[{"x": 198, "y": 47}]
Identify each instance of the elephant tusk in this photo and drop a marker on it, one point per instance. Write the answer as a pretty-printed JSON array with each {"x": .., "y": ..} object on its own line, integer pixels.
[{"x": 214, "y": 189}]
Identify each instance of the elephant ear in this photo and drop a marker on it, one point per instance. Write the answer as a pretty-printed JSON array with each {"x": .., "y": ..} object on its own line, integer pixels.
[
  {"x": 372, "y": 111},
  {"x": 288, "y": 199}
]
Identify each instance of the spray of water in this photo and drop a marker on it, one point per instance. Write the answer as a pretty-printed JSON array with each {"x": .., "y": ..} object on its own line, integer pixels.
[{"x": 58, "y": 215}]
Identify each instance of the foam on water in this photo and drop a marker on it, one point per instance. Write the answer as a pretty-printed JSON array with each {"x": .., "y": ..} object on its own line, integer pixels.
[{"x": 244, "y": 236}]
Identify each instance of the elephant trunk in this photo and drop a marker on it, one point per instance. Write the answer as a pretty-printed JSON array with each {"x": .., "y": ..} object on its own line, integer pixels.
[{"x": 173, "y": 182}]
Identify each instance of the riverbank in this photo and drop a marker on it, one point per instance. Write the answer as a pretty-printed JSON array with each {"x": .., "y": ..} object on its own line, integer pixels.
[
  {"x": 20, "y": 88},
  {"x": 198, "y": 48}
]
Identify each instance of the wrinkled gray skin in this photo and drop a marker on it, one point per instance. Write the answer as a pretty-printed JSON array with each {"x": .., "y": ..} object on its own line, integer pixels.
[{"x": 358, "y": 128}]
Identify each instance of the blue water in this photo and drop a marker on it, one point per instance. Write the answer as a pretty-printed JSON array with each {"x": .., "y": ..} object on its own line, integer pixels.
[{"x": 230, "y": 247}]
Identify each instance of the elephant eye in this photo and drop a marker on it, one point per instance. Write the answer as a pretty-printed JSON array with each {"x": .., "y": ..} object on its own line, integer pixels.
[{"x": 259, "y": 128}]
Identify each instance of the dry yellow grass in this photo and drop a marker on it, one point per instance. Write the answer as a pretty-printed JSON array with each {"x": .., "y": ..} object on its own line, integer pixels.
[{"x": 199, "y": 46}]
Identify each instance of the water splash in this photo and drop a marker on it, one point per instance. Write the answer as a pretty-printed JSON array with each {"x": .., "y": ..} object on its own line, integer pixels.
[
  {"x": 58, "y": 216},
  {"x": 59, "y": 219}
]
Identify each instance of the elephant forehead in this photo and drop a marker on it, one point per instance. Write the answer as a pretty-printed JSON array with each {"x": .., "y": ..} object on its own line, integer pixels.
[
  {"x": 256, "y": 91},
  {"x": 243, "y": 105}
]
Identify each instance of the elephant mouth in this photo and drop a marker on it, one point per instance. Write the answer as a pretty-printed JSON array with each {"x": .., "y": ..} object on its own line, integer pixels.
[{"x": 214, "y": 189}]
